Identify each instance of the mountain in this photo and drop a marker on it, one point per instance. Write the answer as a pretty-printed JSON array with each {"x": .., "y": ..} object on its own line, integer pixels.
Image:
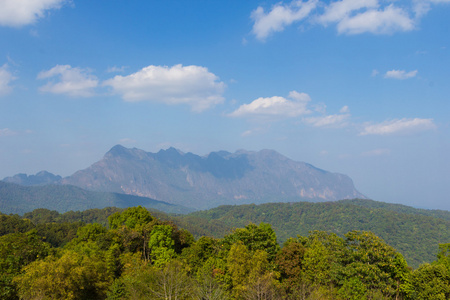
[
  {"x": 40, "y": 178},
  {"x": 19, "y": 199},
  {"x": 207, "y": 181},
  {"x": 413, "y": 234}
]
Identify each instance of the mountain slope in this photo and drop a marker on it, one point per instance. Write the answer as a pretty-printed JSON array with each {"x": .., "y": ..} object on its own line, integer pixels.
[
  {"x": 218, "y": 178},
  {"x": 18, "y": 199},
  {"x": 415, "y": 236}
]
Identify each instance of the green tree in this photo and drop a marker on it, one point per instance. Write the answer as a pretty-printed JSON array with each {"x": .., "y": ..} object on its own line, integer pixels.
[
  {"x": 429, "y": 281},
  {"x": 254, "y": 237},
  {"x": 374, "y": 263},
  {"x": 132, "y": 217},
  {"x": 16, "y": 251},
  {"x": 161, "y": 245}
]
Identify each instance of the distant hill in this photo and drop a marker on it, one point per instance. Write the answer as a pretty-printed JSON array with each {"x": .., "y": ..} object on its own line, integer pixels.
[
  {"x": 19, "y": 199},
  {"x": 40, "y": 178},
  {"x": 215, "y": 179},
  {"x": 415, "y": 235},
  {"x": 400, "y": 208}
]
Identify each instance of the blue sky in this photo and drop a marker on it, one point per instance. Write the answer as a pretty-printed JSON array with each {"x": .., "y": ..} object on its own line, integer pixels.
[{"x": 359, "y": 87}]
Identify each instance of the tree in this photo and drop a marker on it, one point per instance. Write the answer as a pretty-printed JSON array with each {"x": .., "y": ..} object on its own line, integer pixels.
[
  {"x": 429, "y": 281},
  {"x": 251, "y": 274},
  {"x": 374, "y": 263},
  {"x": 161, "y": 245},
  {"x": 254, "y": 237},
  {"x": 16, "y": 251},
  {"x": 132, "y": 217},
  {"x": 290, "y": 263},
  {"x": 71, "y": 276}
]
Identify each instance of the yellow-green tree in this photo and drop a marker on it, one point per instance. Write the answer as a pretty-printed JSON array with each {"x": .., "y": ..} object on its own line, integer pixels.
[{"x": 70, "y": 276}]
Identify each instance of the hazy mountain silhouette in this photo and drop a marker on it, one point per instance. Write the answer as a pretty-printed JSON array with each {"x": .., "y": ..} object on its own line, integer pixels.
[{"x": 207, "y": 181}]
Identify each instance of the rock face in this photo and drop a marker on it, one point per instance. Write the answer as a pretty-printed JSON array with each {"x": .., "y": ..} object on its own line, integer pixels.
[
  {"x": 41, "y": 178},
  {"x": 203, "y": 182}
]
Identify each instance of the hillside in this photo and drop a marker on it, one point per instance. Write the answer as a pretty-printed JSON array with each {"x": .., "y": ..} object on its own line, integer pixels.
[
  {"x": 414, "y": 235},
  {"x": 18, "y": 199},
  {"x": 400, "y": 208},
  {"x": 218, "y": 178}
]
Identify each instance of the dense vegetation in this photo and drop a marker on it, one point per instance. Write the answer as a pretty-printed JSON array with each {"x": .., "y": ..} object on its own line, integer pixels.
[
  {"x": 47, "y": 255},
  {"x": 414, "y": 234}
]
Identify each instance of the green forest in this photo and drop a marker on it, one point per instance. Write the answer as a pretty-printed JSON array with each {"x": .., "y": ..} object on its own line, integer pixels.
[{"x": 133, "y": 253}]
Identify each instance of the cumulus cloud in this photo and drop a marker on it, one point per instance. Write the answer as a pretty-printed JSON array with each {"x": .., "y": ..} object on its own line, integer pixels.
[
  {"x": 5, "y": 79},
  {"x": 400, "y": 74},
  {"x": 279, "y": 17},
  {"x": 275, "y": 106},
  {"x": 16, "y": 13},
  {"x": 398, "y": 126},
  {"x": 335, "y": 121},
  {"x": 74, "y": 82},
  {"x": 192, "y": 85}
]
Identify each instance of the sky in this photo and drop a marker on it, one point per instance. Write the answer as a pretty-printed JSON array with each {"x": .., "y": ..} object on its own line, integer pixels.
[{"x": 359, "y": 87}]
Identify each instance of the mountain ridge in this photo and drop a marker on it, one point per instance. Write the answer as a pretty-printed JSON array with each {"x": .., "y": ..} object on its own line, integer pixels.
[{"x": 217, "y": 178}]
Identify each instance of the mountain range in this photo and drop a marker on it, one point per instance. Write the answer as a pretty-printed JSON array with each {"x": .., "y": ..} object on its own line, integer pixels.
[{"x": 203, "y": 182}]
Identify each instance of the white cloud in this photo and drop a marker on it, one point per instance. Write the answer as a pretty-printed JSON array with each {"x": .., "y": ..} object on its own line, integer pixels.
[
  {"x": 349, "y": 16},
  {"x": 376, "y": 152},
  {"x": 16, "y": 13},
  {"x": 115, "y": 69},
  {"x": 402, "y": 126},
  {"x": 344, "y": 109},
  {"x": 7, "y": 132},
  {"x": 334, "y": 121},
  {"x": 400, "y": 74},
  {"x": 387, "y": 21},
  {"x": 192, "y": 85},
  {"x": 340, "y": 10},
  {"x": 279, "y": 17},
  {"x": 275, "y": 106},
  {"x": 74, "y": 82},
  {"x": 5, "y": 79}
]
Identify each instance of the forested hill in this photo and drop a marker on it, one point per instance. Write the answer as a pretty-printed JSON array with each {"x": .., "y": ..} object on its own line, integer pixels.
[
  {"x": 19, "y": 199},
  {"x": 135, "y": 255},
  {"x": 436, "y": 213},
  {"x": 415, "y": 235}
]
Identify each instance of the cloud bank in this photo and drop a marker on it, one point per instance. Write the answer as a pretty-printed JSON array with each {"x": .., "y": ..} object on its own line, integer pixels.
[
  {"x": 17, "y": 13},
  {"x": 192, "y": 85}
]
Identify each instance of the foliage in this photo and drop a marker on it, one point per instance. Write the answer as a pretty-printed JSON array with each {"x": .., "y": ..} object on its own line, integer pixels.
[
  {"x": 142, "y": 257},
  {"x": 16, "y": 251},
  {"x": 410, "y": 231}
]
